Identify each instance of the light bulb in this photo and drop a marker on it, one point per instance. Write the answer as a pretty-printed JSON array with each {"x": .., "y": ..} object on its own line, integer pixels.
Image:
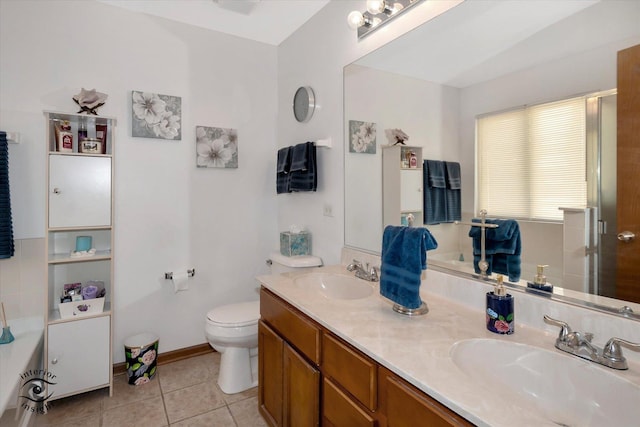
[
  {"x": 355, "y": 20},
  {"x": 375, "y": 7}
]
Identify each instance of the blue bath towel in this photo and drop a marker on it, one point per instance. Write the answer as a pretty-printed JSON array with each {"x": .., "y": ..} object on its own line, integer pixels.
[
  {"x": 300, "y": 157},
  {"x": 282, "y": 170},
  {"x": 284, "y": 160},
  {"x": 303, "y": 170},
  {"x": 436, "y": 174},
  {"x": 453, "y": 175},
  {"x": 434, "y": 192},
  {"x": 404, "y": 256},
  {"x": 453, "y": 191},
  {"x": 503, "y": 247}
]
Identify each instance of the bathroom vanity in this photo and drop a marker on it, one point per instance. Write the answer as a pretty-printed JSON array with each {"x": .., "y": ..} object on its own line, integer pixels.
[
  {"x": 308, "y": 373},
  {"x": 348, "y": 360}
]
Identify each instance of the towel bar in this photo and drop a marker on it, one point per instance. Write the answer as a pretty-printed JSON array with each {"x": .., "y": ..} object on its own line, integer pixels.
[
  {"x": 190, "y": 272},
  {"x": 13, "y": 137},
  {"x": 324, "y": 143}
]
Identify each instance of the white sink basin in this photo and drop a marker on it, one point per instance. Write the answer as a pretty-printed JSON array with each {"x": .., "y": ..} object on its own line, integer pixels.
[
  {"x": 335, "y": 286},
  {"x": 566, "y": 389}
]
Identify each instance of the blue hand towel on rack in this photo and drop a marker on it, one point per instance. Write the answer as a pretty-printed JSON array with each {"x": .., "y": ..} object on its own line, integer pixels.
[
  {"x": 303, "y": 168},
  {"x": 453, "y": 191},
  {"x": 404, "y": 256},
  {"x": 435, "y": 202},
  {"x": 503, "y": 247},
  {"x": 282, "y": 170}
]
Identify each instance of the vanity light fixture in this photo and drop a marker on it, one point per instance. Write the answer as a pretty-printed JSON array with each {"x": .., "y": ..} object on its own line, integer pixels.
[{"x": 378, "y": 13}]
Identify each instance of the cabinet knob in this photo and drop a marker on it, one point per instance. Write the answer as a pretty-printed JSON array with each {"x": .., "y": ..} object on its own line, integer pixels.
[
  {"x": 56, "y": 191},
  {"x": 54, "y": 361}
]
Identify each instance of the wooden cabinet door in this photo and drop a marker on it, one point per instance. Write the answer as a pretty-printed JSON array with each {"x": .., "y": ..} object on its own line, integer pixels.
[
  {"x": 79, "y": 191},
  {"x": 301, "y": 391},
  {"x": 270, "y": 371},
  {"x": 78, "y": 355}
]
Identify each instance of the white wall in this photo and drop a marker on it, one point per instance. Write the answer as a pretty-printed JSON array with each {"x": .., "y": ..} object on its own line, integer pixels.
[
  {"x": 169, "y": 216},
  {"x": 426, "y": 111}
]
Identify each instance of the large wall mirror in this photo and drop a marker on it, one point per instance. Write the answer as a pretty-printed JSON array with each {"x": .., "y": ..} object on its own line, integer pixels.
[{"x": 484, "y": 57}]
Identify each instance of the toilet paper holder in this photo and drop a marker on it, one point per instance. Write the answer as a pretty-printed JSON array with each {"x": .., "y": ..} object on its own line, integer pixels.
[{"x": 190, "y": 272}]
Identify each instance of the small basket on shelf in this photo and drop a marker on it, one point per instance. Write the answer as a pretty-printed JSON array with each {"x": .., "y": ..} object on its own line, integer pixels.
[{"x": 82, "y": 308}]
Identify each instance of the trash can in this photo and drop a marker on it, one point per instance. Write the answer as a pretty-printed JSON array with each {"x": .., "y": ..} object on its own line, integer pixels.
[{"x": 141, "y": 353}]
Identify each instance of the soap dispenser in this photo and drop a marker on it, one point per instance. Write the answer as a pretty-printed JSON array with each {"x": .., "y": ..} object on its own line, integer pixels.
[
  {"x": 500, "y": 308},
  {"x": 540, "y": 281}
]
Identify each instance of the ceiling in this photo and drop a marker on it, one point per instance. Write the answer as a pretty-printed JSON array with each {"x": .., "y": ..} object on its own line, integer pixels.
[
  {"x": 266, "y": 21},
  {"x": 480, "y": 40}
]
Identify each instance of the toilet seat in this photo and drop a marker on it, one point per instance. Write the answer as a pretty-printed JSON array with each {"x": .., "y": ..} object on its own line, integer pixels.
[{"x": 235, "y": 315}]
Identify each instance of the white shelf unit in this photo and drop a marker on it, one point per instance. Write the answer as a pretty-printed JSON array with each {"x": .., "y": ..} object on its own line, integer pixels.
[
  {"x": 79, "y": 202},
  {"x": 401, "y": 186}
]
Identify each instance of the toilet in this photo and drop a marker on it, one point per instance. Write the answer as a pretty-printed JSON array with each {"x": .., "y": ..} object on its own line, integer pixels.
[{"x": 232, "y": 330}]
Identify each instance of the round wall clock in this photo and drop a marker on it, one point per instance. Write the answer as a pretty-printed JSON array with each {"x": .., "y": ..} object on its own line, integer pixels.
[{"x": 304, "y": 102}]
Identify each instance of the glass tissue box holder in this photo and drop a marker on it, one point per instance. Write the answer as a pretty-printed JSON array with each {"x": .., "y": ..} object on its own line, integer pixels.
[{"x": 293, "y": 244}]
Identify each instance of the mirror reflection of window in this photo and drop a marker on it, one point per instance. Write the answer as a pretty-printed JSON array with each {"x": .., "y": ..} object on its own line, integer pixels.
[{"x": 532, "y": 160}]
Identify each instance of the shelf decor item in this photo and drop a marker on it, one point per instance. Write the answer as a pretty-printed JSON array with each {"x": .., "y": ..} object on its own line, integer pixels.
[
  {"x": 216, "y": 147},
  {"x": 89, "y": 101},
  {"x": 156, "y": 116},
  {"x": 81, "y": 308},
  {"x": 396, "y": 136},
  {"x": 295, "y": 243}
]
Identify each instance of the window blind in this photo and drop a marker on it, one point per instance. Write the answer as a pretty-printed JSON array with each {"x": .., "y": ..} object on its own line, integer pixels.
[{"x": 532, "y": 160}]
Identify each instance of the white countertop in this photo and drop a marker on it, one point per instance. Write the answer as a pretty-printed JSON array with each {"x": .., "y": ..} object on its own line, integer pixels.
[
  {"x": 15, "y": 356},
  {"x": 417, "y": 348}
]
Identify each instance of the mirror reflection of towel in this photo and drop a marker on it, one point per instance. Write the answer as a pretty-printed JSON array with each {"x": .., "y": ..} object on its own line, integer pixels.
[
  {"x": 404, "y": 256},
  {"x": 442, "y": 192},
  {"x": 503, "y": 247}
]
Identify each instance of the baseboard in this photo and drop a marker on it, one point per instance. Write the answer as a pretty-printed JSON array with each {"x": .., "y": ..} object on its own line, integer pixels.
[{"x": 171, "y": 356}]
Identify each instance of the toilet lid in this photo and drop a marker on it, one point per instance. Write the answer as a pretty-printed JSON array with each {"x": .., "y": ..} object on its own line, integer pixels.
[{"x": 233, "y": 315}]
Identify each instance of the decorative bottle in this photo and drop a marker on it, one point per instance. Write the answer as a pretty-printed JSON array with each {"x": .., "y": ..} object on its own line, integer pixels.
[{"x": 500, "y": 310}]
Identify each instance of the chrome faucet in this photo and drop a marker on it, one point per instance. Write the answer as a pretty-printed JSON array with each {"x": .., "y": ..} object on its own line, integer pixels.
[
  {"x": 366, "y": 273},
  {"x": 579, "y": 344}
]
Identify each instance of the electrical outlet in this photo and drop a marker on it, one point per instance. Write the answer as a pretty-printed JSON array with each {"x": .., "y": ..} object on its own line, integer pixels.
[{"x": 327, "y": 210}]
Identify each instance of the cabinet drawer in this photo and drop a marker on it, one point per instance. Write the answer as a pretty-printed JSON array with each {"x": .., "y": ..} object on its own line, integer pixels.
[
  {"x": 340, "y": 410},
  {"x": 351, "y": 369},
  {"x": 303, "y": 334},
  {"x": 406, "y": 406}
]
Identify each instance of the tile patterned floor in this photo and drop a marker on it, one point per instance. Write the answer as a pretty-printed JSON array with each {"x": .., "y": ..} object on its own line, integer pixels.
[{"x": 183, "y": 394}]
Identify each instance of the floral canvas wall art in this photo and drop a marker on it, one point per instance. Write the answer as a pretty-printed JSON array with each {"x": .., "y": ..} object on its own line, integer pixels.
[
  {"x": 216, "y": 147},
  {"x": 362, "y": 137},
  {"x": 156, "y": 116}
]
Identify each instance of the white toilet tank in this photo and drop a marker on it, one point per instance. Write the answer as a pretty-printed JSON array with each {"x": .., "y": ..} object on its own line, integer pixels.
[{"x": 281, "y": 264}]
